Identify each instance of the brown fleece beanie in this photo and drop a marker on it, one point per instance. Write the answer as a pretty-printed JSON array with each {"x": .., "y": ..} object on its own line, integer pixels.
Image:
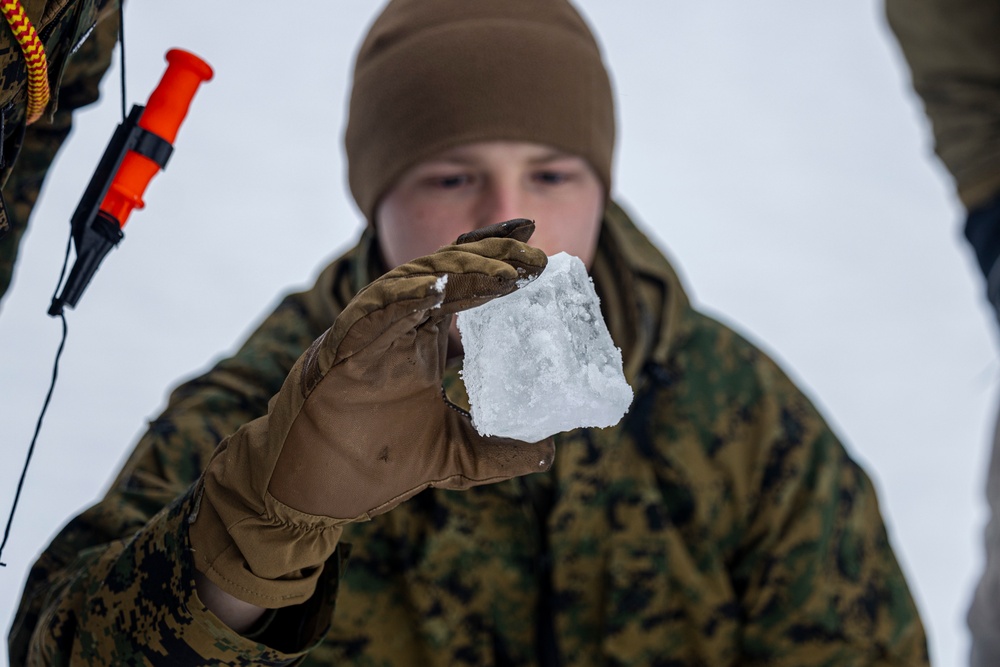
[{"x": 433, "y": 74}]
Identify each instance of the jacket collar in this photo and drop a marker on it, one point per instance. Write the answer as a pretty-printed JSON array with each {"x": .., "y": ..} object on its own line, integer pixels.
[{"x": 641, "y": 295}]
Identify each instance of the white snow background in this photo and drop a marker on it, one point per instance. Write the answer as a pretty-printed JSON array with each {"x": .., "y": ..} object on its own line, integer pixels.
[{"x": 774, "y": 149}]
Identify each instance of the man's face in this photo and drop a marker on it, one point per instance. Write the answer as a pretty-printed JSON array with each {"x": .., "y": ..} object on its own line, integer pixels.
[{"x": 478, "y": 184}]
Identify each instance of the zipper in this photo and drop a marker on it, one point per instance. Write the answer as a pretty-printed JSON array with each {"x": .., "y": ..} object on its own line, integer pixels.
[
  {"x": 3, "y": 132},
  {"x": 83, "y": 38}
]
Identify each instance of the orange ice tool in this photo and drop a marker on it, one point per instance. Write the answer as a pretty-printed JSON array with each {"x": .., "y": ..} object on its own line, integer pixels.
[
  {"x": 166, "y": 109},
  {"x": 140, "y": 147}
]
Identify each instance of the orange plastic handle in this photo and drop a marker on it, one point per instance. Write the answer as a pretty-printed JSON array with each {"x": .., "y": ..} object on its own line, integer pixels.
[{"x": 166, "y": 109}]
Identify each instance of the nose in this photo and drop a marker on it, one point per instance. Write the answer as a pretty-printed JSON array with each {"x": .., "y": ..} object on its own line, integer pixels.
[{"x": 501, "y": 200}]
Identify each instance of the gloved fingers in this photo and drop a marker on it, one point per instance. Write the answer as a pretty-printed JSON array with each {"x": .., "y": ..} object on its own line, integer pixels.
[
  {"x": 485, "y": 460},
  {"x": 378, "y": 317},
  {"x": 483, "y": 270},
  {"x": 518, "y": 229},
  {"x": 500, "y": 262},
  {"x": 455, "y": 278},
  {"x": 470, "y": 289},
  {"x": 478, "y": 460},
  {"x": 485, "y": 263}
]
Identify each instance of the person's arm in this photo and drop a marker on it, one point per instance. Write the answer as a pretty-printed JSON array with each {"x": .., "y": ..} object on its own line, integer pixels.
[
  {"x": 358, "y": 426},
  {"x": 811, "y": 565},
  {"x": 953, "y": 50},
  {"x": 239, "y": 615},
  {"x": 124, "y": 565},
  {"x": 820, "y": 583}
]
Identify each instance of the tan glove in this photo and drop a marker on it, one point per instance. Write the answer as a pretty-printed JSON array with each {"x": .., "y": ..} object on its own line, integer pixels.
[{"x": 359, "y": 425}]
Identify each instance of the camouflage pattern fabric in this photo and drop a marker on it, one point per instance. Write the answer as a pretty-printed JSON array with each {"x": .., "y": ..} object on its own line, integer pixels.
[
  {"x": 721, "y": 523},
  {"x": 952, "y": 50},
  {"x": 79, "y": 37}
]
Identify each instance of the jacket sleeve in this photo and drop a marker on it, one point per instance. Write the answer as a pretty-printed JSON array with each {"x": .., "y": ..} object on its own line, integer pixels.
[
  {"x": 814, "y": 571},
  {"x": 953, "y": 50},
  {"x": 818, "y": 578},
  {"x": 116, "y": 586},
  {"x": 26, "y": 172}
]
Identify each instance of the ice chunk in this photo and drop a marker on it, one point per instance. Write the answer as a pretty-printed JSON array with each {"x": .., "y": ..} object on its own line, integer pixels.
[{"x": 541, "y": 360}]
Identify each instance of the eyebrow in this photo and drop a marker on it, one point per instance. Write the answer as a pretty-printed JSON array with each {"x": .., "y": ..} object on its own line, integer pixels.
[
  {"x": 554, "y": 155},
  {"x": 550, "y": 156}
]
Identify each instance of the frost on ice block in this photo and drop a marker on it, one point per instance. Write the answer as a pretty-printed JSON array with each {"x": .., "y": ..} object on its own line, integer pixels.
[{"x": 541, "y": 360}]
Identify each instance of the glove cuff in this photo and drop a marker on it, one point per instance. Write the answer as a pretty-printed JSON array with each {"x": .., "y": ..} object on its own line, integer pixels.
[{"x": 271, "y": 558}]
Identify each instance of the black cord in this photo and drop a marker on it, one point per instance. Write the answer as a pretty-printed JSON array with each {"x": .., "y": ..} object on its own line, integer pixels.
[
  {"x": 121, "y": 41},
  {"x": 62, "y": 316},
  {"x": 45, "y": 406}
]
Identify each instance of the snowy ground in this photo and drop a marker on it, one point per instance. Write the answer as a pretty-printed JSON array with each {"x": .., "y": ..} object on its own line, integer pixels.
[{"x": 773, "y": 148}]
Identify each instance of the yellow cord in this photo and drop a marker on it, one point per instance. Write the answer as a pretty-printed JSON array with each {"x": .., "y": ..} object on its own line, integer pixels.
[{"x": 34, "y": 56}]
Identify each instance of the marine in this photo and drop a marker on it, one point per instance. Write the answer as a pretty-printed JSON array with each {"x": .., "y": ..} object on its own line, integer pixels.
[{"x": 313, "y": 499}]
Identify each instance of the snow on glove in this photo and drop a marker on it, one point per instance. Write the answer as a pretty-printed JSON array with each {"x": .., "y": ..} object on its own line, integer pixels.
[{"x": 360, "y": 425}]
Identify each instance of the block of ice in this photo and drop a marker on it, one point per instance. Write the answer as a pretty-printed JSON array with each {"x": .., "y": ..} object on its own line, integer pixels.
[{"x": 541, "y": 360}]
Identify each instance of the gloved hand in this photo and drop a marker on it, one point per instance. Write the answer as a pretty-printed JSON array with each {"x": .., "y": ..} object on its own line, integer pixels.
[{"x": 359, "y": 426}]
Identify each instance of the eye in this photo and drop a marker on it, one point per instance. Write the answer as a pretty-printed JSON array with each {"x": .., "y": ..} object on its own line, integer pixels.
[
  {"x": 449, "y": 181},
  {"x": 453, "y": 181},
  {"x": 552, "y": 177}
]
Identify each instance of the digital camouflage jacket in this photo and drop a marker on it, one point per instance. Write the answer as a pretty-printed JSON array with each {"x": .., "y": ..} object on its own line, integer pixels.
[
  {"x": 720, "y": 523},
  {"x": 79, "y": 36}
]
